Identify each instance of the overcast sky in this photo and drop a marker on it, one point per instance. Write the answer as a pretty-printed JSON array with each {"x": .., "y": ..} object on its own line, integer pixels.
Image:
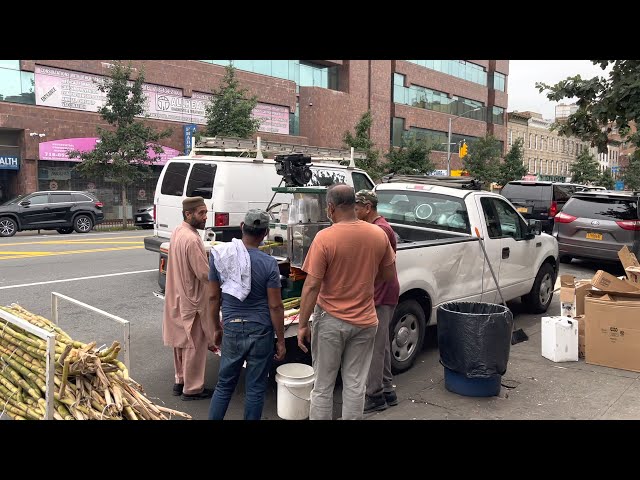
[{"x": 523, "y": 75}]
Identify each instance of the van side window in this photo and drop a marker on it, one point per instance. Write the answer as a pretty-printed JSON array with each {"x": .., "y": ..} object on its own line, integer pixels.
[
  {"x": 326, "y": 178},
  {"x": 201, "y": 180},
  {"x": 361, "y": 182},
  {"x": 174, "y": 178}
]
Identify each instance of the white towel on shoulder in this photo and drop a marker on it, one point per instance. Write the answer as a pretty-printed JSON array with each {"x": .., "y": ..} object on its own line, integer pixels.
[{"x": 234, "y": 268}]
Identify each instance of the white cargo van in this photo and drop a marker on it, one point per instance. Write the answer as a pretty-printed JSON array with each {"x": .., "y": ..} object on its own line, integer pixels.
[{"x": 230, "y": 185}]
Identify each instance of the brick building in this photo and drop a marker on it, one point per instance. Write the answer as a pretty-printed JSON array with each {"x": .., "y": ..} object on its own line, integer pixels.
[{"x": 48, "y": 107}]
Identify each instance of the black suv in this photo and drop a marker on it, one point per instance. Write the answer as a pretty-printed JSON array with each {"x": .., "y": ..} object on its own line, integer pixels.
[
  {"x": 62, "y": 211},
  {"x": 539, "y": 200}
]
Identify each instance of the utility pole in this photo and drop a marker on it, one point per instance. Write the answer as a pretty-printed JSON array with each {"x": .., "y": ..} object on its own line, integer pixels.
[{"x": 451, "y": 120}]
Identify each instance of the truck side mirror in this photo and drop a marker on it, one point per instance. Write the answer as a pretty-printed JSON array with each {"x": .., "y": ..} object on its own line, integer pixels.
[{"x": 535, "y": 226}]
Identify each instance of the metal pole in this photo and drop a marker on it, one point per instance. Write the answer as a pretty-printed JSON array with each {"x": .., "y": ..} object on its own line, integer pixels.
[{"x": 449, "y": 151}]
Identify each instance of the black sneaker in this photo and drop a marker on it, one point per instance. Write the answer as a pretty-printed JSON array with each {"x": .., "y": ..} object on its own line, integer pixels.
[
  {"x": 206, "y": 393},
  {"x": 375, "y": 404},
  {"x": 177, "y": 389},
  {"x": 391, "y": 398}
]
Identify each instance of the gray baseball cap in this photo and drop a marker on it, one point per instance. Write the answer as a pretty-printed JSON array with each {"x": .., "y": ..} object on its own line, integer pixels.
[{"x": 257, "y": 218}]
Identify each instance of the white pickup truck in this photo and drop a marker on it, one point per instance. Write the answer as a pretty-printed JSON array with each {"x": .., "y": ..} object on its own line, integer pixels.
[{"x": 440, "y": 259}]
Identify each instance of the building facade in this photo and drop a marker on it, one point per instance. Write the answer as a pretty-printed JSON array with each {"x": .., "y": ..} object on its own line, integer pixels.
[
  {"x": 547, "y": 155},
  {"x": 48, "y": 107}
]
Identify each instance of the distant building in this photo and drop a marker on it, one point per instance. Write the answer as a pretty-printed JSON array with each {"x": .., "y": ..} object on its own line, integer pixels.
[
  {"x": 563, "y": 111},
  {"x": 547, "y": 155}
]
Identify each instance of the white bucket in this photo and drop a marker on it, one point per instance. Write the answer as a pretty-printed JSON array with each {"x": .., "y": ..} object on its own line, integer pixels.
[{"x": 295, "y": 381}]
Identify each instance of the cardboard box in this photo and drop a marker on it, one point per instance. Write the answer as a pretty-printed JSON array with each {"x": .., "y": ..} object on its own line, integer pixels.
[
  {"x": 612, "y": 330},
  {"x": 630, "y": 264},
  {"x": 560, "y": 339},
  {"x": 608, "y": 283},
  {"x": 567, "y": 296},
  {"x": 581, "y": 327},
  {"x": 582, "y": 289}
]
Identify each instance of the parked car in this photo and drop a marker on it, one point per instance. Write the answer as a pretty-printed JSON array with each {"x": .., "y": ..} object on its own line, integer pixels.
[
  {"x": 539, "y": 200},
  {"x": 64, "y": 211},
  {"x": 597, "y": 224},
  {"x": 144, "y": 217}
]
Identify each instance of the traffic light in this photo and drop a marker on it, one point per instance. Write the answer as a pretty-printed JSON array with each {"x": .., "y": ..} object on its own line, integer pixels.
[{"x": 463, "y": 150}]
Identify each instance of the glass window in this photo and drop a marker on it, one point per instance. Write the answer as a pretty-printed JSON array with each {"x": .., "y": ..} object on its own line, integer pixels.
[
  {"x": 615, "y": 209},
  {"x": 39, "y": 199},
  {"x": 11, "y": 64},
  {"x": 398, "y": 79},
  {"x": 498, "y": 116},
  {"x": 174, "y": 179},
  {"x": 263, "y": 67},
  {"x": 201, "y": 180},
  {"x": 361, "y": 182},
  {"x": 397, "y": 129},
  {"x": 306, "y": 75},
  {"x": 280, "y": 68},
  {"x": 80, "y": 197},
  {"x": 421, "y": 209},
  {"x": 499, "y": 81},
  {"x": 61, "y": 198},
  {"x": 502, "y": 220}
]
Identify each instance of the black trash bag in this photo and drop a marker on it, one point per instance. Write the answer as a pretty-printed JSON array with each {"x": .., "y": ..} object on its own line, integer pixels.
[{"x": 474, "y": 338}]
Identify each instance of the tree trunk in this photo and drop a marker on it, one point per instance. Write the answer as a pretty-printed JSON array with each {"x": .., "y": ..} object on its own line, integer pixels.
[{"x": 124, "y": 207}]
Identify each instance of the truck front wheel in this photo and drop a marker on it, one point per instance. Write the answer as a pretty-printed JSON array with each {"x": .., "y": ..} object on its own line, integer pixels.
[
  {"x": 406, "y": 334},
  {"x": 538, "y": 300}
]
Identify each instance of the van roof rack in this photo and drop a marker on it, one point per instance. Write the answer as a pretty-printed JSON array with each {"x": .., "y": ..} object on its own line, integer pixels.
[
  {"x": 259, "y": 147},
  {"x": 462, "y": 183}
]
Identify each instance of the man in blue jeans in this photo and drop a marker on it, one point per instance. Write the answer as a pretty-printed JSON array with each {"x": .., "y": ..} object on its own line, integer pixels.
[{"x": 248, "y": 283}]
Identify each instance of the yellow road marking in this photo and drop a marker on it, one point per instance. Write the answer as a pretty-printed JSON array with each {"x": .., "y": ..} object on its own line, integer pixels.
[
  {"x": 71, "y": 242},
  {"x": 14, "y": 255}
]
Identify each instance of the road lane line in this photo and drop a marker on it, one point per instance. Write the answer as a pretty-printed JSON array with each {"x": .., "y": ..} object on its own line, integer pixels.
[
  {"x": 15, "y": 255},
  {"x": 82, "y": 234},
  {"x": 71, "y": 242},
  {"x": 77, "y": 278}
]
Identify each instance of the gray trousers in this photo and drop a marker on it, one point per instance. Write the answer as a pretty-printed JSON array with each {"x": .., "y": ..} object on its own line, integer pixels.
[
  {"x": 335, "y": 344},
  {"x": 380, "y": 379}
]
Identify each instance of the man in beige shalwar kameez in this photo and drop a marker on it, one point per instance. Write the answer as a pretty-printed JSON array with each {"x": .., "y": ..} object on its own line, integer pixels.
[{"x": 187, "y": 321}]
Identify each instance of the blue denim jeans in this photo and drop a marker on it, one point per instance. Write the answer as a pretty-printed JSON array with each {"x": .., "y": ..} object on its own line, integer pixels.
[{"x": 243, "y": 341}]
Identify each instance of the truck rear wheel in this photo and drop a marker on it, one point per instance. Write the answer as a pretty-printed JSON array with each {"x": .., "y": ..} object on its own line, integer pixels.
[{"x": 406, "y": 334}]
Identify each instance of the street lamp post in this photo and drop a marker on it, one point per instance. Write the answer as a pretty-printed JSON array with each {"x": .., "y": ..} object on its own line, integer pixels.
[
  {"x": 38, "y": 137},
  {"x": 451, "y": 120}
]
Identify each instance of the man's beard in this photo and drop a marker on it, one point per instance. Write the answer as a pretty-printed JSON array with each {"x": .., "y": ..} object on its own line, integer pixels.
[{"x": 197, "y": 224}]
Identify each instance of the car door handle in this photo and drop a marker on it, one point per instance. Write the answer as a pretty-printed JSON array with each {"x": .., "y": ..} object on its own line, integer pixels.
[{"x": 505, "y": 253}]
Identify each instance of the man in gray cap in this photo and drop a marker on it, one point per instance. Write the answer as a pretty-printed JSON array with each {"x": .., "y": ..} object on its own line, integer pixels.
[
  {"x": 380, "y": 391},
  {"x": 249, "y": 318},
  {"x": 187, "y": 324}
]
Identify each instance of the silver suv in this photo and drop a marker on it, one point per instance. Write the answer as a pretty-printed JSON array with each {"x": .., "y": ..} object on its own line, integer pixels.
[{"x": 597, "y": 224}]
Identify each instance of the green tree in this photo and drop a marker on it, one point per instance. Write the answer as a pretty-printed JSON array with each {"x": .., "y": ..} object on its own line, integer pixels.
[
  {"x": 229, "y": 111},
  {"x": 602, "y": 102},
  {"x": 483, "y": 159},
  {"x": 412, "y": 158},
  {"x": 631, "y": 175},
  {"x": 606, "y": 179},
  {"x": 122, "y": 152},
  {"x": 362, "y": 141},
  {"x": 585, "y": 169},
  {"x": 512, "y": 168}
]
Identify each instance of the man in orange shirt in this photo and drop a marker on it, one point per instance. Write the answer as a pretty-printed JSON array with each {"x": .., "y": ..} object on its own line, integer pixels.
[{"x": 342, "y": 265}]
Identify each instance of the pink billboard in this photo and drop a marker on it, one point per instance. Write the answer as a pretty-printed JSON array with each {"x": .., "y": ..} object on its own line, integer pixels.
[{"x": 56, "y": 150}]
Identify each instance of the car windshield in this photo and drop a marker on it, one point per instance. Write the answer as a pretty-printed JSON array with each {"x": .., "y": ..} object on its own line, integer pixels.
[
  {"x": 423, "y": 209},
  {"x": 13, "y": 201}
]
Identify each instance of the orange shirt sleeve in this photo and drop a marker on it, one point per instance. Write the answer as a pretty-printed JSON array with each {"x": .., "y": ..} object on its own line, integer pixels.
[{"x": 315, "y": 264}]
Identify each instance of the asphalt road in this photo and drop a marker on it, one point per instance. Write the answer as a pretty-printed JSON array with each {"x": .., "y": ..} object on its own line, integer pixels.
[{"x": 113, "y": 272}]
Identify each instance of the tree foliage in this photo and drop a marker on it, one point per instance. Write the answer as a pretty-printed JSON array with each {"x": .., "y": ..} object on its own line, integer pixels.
[
  {"x": 228, "y": 113},
  {"x": 412, "y": 158},
  {"x": 631, "y": 175},
  {"x": 512, "y": 167},
  {"x": 602, "y": 102},
  {"x": 362, "y": 141},
  {"x": 483, "y": 159},
  {"x": 606, "y": 179},
  {"x": 585, "y": 169},
  {"x": 122, "y": 152}
]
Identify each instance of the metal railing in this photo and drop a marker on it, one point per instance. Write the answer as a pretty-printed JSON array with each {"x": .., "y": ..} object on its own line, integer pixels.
[
  {"x": 125, "y": 323},
  {"x": 50, "y": 338}
]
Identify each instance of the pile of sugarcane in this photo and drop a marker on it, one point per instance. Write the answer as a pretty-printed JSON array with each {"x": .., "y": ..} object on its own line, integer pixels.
[
  {"x": 90, "y": 383},
  {"x": 291, "y": 310}
]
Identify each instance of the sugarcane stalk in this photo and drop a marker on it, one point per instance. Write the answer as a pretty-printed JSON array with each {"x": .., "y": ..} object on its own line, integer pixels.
[
  {"x": 107, "y": 351},
  {"x": 40, "y": 344},
  {"x": 18, "y": 359},
  {"x": 65, "y": 375},
  {"x": 10, "y": 407},
  {"x": 24, "y": 409},
  {"x": 139, "y": 408},
  {"x": 117, "y": 396},
  {"x": 16, "y": 350},
  {"x": 16, "y": 379},
  {"x": 174, "y": 412}
]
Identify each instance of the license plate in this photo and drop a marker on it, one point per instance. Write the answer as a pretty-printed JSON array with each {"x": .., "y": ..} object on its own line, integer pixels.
[
  {"x": 594, "y": 236},
  {"x": 139, "y": 219},
  {"x": 523, "y": 209}
]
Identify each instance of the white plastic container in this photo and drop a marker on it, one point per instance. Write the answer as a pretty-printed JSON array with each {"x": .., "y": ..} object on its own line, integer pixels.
[
  {"x": 560, "y": 339},
  {"x": 295, "y": 382}
]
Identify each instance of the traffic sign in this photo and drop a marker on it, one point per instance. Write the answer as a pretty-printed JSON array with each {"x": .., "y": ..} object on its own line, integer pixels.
[{"x": 619, "y": 185}]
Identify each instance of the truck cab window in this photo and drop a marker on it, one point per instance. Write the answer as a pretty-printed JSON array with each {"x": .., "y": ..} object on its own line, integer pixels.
[{"x": 502, "y": 220}]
